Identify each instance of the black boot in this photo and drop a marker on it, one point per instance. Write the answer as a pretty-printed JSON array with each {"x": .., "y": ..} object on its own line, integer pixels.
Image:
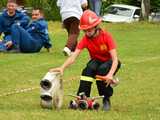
[
  {"x": 106, "y": 104},
  {"x": 84, "y": 87}
]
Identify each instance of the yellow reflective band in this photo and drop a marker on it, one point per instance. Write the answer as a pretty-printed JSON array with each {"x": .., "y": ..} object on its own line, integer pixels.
[
  {"x": 99, "y": 79},
  {"x": 86, "y": 78}
]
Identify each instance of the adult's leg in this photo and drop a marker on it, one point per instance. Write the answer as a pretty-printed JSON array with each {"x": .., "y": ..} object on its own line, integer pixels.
[
  {"x": 71, "y": 24},
  {"x": 97, "y": 6},
  {"x": 22, "y": 39},
  {"x": 91, "y": 4}
]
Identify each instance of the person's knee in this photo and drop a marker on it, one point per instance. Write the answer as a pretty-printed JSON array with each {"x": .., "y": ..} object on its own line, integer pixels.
[
  {"x": 93, "y": 65},
  {"x": 104, "y": 68},
  {"x": 90, "y": 70},
  {"x": 14, "y": 26}
]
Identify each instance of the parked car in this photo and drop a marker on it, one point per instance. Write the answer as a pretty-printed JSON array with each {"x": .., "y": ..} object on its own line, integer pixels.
[
  {"x": 155, "y": 16},
  {"x": 121, "y": 13}
]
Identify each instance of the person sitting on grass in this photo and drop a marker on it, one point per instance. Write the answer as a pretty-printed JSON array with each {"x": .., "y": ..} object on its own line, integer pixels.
[
  {"x": 34, "y": 37},
  {"x": 9, "y": 17},
  {"x": 103, "y": 63}
]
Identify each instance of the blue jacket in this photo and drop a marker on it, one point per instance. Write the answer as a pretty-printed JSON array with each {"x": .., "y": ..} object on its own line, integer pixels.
[
  {"x": 39, "y": 31},
  {"x": 7, "y": 21}
]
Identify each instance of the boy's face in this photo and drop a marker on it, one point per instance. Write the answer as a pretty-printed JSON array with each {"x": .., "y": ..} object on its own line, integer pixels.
[
  {"x": 36, "y": 15},
  {"x": 11, "y": 7},
  {"x": 90, "y": 32}
]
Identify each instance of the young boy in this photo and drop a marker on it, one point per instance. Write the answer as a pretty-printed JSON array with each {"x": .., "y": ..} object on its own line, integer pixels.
[{"x": 103, "y": 63}]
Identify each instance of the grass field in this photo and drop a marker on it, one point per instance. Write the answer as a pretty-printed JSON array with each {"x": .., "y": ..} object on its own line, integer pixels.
[{"x": 136, "y": 98}]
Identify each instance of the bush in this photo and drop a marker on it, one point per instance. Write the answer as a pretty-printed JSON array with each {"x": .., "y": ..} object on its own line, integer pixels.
[{"x": 49, "y": 6}]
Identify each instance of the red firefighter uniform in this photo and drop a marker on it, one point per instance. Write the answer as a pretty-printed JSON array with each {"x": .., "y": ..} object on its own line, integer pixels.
[{"x": 99, "y": 46}]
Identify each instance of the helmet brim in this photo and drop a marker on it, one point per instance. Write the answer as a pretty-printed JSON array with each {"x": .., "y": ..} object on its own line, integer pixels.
[{"x": 85, "y": 27}]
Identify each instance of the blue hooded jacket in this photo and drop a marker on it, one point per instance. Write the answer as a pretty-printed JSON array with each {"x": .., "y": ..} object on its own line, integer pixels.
[
  {"x": 39, "y": 31},
  {"x": 7, "y": 21}
]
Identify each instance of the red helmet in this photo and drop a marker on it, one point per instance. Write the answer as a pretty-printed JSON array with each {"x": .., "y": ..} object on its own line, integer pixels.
[{"x": 88, "y": 20}]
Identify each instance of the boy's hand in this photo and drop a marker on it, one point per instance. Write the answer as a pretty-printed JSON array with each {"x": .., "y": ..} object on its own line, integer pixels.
[
  {"x": 59, "y": 69},
  {"x": 105, "y": 78},
  {"x": 9, "y": 44}
]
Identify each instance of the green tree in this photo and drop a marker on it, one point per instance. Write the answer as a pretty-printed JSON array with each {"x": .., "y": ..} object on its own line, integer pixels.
[
  {"x": 49, "y": 6},
  {"x": 155, "y": 4},
  {"x": 3, "y": 4},
  {"x": 20, "y": 2}
]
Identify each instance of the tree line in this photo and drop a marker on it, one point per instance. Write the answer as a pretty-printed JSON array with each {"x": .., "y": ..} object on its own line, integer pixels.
[{"x": 52, "y": 12}]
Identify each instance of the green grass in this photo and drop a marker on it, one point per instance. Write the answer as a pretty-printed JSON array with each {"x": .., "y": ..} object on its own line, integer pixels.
[{"x": 136, "y": 98}]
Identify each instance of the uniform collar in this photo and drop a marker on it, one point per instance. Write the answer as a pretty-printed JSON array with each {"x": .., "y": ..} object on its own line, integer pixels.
[{"x": 6, "y": 14}]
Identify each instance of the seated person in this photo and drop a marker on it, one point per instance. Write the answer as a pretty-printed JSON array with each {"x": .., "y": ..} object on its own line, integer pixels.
[
  {"x": 9, "y": 17},
  {"x": 34, "y": 37}
]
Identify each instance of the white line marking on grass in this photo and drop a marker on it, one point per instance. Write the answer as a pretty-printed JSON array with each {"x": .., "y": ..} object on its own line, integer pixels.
[
  {"x": 18, "y": 91},
  {"x": 25, "y": 90},
  {"x": 143, "y": 59}
]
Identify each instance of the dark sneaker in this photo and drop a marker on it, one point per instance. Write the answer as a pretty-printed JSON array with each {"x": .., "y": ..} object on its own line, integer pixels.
[
  {"x": 14, "y": 49},
  {"x": 67, "y": 51},
  {"x": 106, "y": 104}
]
